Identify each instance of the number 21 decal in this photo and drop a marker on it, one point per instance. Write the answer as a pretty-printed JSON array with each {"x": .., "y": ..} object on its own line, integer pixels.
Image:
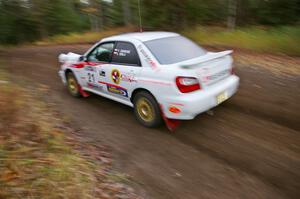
[{"x": 91, "y": 77}]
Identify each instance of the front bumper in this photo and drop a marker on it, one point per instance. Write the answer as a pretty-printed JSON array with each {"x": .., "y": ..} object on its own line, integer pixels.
[
  {"x": 61, "y": 74},
  {"x": 192, "y": 104}
]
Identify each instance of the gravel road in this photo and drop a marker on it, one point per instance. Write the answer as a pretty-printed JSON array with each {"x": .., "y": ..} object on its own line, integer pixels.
[{"x": 248, "y": 148}]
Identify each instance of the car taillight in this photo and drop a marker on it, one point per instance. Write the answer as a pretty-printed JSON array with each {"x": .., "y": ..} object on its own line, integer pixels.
[{"x": 187, "y": 84}]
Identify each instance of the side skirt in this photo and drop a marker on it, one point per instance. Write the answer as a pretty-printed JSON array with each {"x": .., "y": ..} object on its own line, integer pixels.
[{"x": 128, "y": 103}]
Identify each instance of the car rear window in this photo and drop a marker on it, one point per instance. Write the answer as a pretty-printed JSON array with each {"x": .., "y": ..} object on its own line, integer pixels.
[{"x": 171, "y": 50}]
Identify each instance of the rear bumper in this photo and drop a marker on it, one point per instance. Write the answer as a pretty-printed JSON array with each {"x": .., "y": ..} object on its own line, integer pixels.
[{"x": 192, "y": 104}]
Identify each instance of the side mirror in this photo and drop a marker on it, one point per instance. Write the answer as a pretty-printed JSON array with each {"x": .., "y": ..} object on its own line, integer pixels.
[{"x": 82, "y": 58}]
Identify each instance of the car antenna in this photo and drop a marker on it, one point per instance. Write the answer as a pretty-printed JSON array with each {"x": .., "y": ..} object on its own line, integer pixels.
[{"x": 140, "y": 17}]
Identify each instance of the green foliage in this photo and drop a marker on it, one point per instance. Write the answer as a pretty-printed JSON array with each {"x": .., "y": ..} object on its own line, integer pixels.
[
  {"x": 30, "y": 20},
  {"x": 272, "y": 40},
  {"x": 59, "y": 17},
  {"x": 16, "y": 23},
  {"x": 278, "y": 12}
]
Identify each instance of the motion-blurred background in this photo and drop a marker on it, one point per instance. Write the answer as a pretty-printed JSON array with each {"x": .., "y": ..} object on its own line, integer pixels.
[
  {"x": 55, "y": 146},
  {"x": 264, "y": 25}
]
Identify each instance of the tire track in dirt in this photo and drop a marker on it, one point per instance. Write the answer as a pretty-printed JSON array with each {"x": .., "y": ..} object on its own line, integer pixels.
[{"x": 248, "y": 149}]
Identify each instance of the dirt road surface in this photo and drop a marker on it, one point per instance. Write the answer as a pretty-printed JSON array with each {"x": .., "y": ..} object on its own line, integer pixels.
[{"x": 249, "y": 147}]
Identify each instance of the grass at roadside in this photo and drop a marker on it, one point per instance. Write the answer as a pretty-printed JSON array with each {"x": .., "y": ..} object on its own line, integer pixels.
[
  {"x": 283, "y": 40},
  {"x": 40, "y": 157}
]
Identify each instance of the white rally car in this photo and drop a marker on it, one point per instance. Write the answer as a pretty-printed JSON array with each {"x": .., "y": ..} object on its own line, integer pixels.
[{"x": 162, "y": 75}]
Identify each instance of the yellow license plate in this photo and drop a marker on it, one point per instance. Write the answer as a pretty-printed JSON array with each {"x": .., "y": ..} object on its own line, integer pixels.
[{"x": 221, "y": 97}]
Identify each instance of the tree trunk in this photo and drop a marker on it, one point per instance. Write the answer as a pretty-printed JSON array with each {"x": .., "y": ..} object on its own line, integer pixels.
[
  {"x": 232, "y": 12},
  {"x": 126, "y": 12},
  {"x": 101, "y": 17}
]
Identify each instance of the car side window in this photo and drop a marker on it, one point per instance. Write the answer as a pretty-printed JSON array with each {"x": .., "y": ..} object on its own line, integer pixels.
[
  {"x": 101, "y": 53},
  {"x": 125, "y": 53}
]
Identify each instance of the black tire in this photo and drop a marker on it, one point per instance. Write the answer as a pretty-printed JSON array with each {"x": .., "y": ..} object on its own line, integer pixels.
[
  {"x": 72, "y": 84},
  {"x": 145, "y": 101}
]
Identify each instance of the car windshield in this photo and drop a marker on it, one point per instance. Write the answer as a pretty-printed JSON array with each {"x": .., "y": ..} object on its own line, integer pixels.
[{"x": 172, "y": 50}]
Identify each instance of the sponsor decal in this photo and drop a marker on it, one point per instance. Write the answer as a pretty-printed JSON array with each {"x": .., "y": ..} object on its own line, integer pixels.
[
  {"x": 117, "y": 90},
  {"x": 102, "y": 73},
  {"x": 147, "y": 57},
  {"x": 129, "y": 77},
  {"x": 115, "y": 76},
  {"x": 90, "y": 68},
  {"x": 95, "y": 86},
  {"x": 121, "y": 52},
  {"x": 91, "y": 78}
]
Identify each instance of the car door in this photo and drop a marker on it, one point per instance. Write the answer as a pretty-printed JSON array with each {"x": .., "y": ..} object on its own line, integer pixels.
[
  {"x": 125, "y": 67},
  {"x": 97, "y": 61}
]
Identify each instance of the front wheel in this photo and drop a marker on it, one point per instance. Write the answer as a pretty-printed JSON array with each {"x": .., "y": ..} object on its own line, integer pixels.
[
  {"x": 146, "y": 110},
  {"x": 73, "y": 85}
]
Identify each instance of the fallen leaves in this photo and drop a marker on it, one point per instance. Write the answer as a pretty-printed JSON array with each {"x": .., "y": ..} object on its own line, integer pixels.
[
  {"x": 42, "y": 157},
  {"x": 8, "y": 175}
]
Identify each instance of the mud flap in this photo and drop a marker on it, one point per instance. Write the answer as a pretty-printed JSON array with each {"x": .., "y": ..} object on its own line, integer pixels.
[
  {"x": 82, "y": 92},
  {"x": 171, "y": 124}
]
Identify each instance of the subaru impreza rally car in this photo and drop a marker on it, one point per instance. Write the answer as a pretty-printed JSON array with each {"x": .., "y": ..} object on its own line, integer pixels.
[{"x": 162, "y": 75}]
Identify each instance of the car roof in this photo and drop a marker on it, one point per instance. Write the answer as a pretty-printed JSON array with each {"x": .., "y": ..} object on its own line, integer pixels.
[{"x": 142, "y": 36}]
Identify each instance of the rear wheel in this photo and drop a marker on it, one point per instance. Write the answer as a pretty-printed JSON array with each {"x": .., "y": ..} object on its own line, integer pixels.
[
  {"x": 146, "y": 110},
  {"x": 73, "y": 85}
]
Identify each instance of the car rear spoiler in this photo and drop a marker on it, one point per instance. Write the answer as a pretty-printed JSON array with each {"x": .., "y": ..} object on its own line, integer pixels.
[{"x": 205, "y": 58}]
